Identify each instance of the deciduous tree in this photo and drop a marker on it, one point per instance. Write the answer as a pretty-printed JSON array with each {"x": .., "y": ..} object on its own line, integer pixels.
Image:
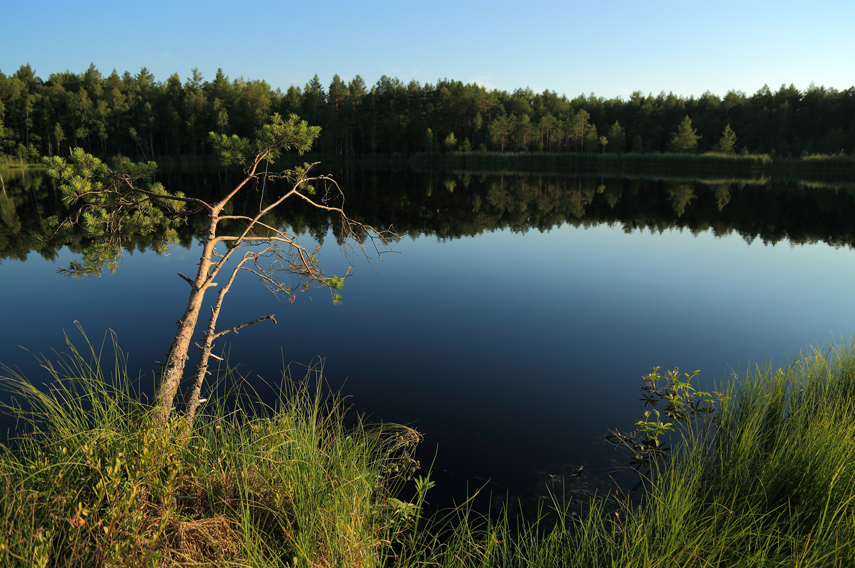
[{"x": 450, "y": 142}]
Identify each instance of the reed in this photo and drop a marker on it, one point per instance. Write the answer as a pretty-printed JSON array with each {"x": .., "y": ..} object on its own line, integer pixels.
[{"x": 629, "y": 163}]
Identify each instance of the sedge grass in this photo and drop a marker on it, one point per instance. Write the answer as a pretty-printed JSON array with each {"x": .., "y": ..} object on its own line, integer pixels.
[
  {"x": 770, "y": 482},
  {"x": 89, "y": 481}
]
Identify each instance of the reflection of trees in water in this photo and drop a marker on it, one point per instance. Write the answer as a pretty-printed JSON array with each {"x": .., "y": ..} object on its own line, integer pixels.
[
  {"x": 722, "y": 195},
  {"x": 612, "y": 195},
  {"x": 499, "y": 197},
  {"x": 9, "y": 214},
  {"x": 452, "y": 205},
  {"x": 752, "y": 208},
  {"x": 26, "y": 200},
  {"x": 681, "y": 195}
]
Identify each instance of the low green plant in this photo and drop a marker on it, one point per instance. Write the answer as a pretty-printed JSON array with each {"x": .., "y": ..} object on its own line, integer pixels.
[{"x": 683, "y": 404}]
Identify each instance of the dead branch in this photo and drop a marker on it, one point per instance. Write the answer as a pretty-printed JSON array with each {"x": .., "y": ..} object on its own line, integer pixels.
[{"x": 243, "y": 325}]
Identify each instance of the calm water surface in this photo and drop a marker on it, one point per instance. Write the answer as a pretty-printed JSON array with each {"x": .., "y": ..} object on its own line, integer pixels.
[{"x": 513, "y": 351}]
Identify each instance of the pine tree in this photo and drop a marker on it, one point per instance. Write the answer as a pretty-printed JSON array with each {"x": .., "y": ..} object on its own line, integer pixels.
[
  {"x": 617, "y": 137},
  {"x": 686, "y": 138},
  {"x": 727, "y": 142}
]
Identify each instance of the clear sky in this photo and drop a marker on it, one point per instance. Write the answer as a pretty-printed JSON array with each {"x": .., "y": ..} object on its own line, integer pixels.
[{"x": 609, "y": 48}]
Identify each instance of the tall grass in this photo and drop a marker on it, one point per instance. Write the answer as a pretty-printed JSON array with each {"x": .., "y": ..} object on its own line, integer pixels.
[
  {"x": 93, "y": 483},
  {"x": 771, "y": 485},
  {"x": 770, "y": 482},
  {"x": 819, "y": 167}
]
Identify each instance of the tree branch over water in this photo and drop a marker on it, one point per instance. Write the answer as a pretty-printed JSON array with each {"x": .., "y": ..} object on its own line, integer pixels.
[{"x": 112, "y": 205}]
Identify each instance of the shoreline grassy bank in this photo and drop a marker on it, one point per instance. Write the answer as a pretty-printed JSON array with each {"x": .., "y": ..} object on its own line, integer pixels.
[
  {"x": 770, "y": 481},
  {"x": 826, "y": 166},
  {"x": 830, "y": 167},
  {"x": 90, "y": 481}
]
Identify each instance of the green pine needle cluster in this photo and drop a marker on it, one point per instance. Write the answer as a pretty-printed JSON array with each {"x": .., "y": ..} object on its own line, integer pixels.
[{"x": 111, "y": 206}]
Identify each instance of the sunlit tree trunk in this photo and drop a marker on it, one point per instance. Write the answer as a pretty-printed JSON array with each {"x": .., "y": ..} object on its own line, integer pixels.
[
  {"x": 173, "y": 369},
  {"x": 88, "y": 182}
]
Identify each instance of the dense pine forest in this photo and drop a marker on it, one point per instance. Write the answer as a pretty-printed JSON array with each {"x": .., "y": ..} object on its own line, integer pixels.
[{"x": 142, "y": 117}]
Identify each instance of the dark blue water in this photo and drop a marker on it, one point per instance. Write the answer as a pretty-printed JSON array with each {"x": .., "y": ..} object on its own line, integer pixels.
[{"x": 513, "y": 352}]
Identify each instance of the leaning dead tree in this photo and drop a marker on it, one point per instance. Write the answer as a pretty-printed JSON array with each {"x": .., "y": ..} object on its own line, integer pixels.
[{"x": 112, "y": 205}]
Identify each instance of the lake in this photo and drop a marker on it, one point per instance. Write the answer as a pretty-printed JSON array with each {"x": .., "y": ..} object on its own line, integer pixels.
[{"x": 514, "y": 322}]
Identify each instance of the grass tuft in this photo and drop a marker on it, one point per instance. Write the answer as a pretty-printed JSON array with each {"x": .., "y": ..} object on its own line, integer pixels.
[
  {"x": 89, "y": 481},
  {"x": 769, "y": 482}
]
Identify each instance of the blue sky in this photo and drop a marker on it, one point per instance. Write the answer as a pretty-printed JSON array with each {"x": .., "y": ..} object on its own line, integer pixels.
[{"x": 607, "y": 48}]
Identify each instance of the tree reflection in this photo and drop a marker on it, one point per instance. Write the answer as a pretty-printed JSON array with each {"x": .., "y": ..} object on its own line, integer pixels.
[{"x": 459, "y": 204}]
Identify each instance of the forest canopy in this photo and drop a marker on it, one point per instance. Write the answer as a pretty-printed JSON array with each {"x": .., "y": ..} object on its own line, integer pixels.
[{"x": 139, "y": 116}]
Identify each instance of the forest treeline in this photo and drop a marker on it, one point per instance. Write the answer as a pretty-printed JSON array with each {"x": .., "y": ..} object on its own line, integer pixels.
[{"x": 138, "y": 116}]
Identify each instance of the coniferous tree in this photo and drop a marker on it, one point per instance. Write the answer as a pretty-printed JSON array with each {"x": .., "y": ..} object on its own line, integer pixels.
[
  {"x": 592, "y": 138},
  {"x": 727, "y": 142},
  {"x": 499, "y": 131},
  {"x": 686, "y": 138},
  {"x": 617, "y": 138},
  {"x": 579, "y": 127},
  {"x": 137, "y": 116}
]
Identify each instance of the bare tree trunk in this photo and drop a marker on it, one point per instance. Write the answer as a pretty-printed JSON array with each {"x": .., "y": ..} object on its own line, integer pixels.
[
  {"x": 192, "y": 400},
  {"x": 173, "y": 369}
]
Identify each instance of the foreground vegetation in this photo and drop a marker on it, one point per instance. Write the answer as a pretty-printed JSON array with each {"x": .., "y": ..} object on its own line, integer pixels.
[
  {"x": 769, "y": 480},
  {"x": 93, "y": 482}
]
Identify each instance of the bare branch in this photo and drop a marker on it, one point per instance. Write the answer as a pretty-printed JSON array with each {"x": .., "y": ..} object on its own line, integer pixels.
[
  {"x": 234, "y": 218},
  {"x": 217, "y": 357},
  {"x": 243, "y": 325},
  {"x": 187, "y": 279},
  {"x": 286, "y": 240},
  {"x": 250, "y": 175}
]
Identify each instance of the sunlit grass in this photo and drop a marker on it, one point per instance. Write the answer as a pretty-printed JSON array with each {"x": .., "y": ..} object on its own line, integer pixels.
[
  {"x": 625, "y": 163},
  {"x": 90, "y": 482},
  {"x": 773, "y": 484},
  {"x": 669, "y": 164},
  {"x": 93, "y": 483}
]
